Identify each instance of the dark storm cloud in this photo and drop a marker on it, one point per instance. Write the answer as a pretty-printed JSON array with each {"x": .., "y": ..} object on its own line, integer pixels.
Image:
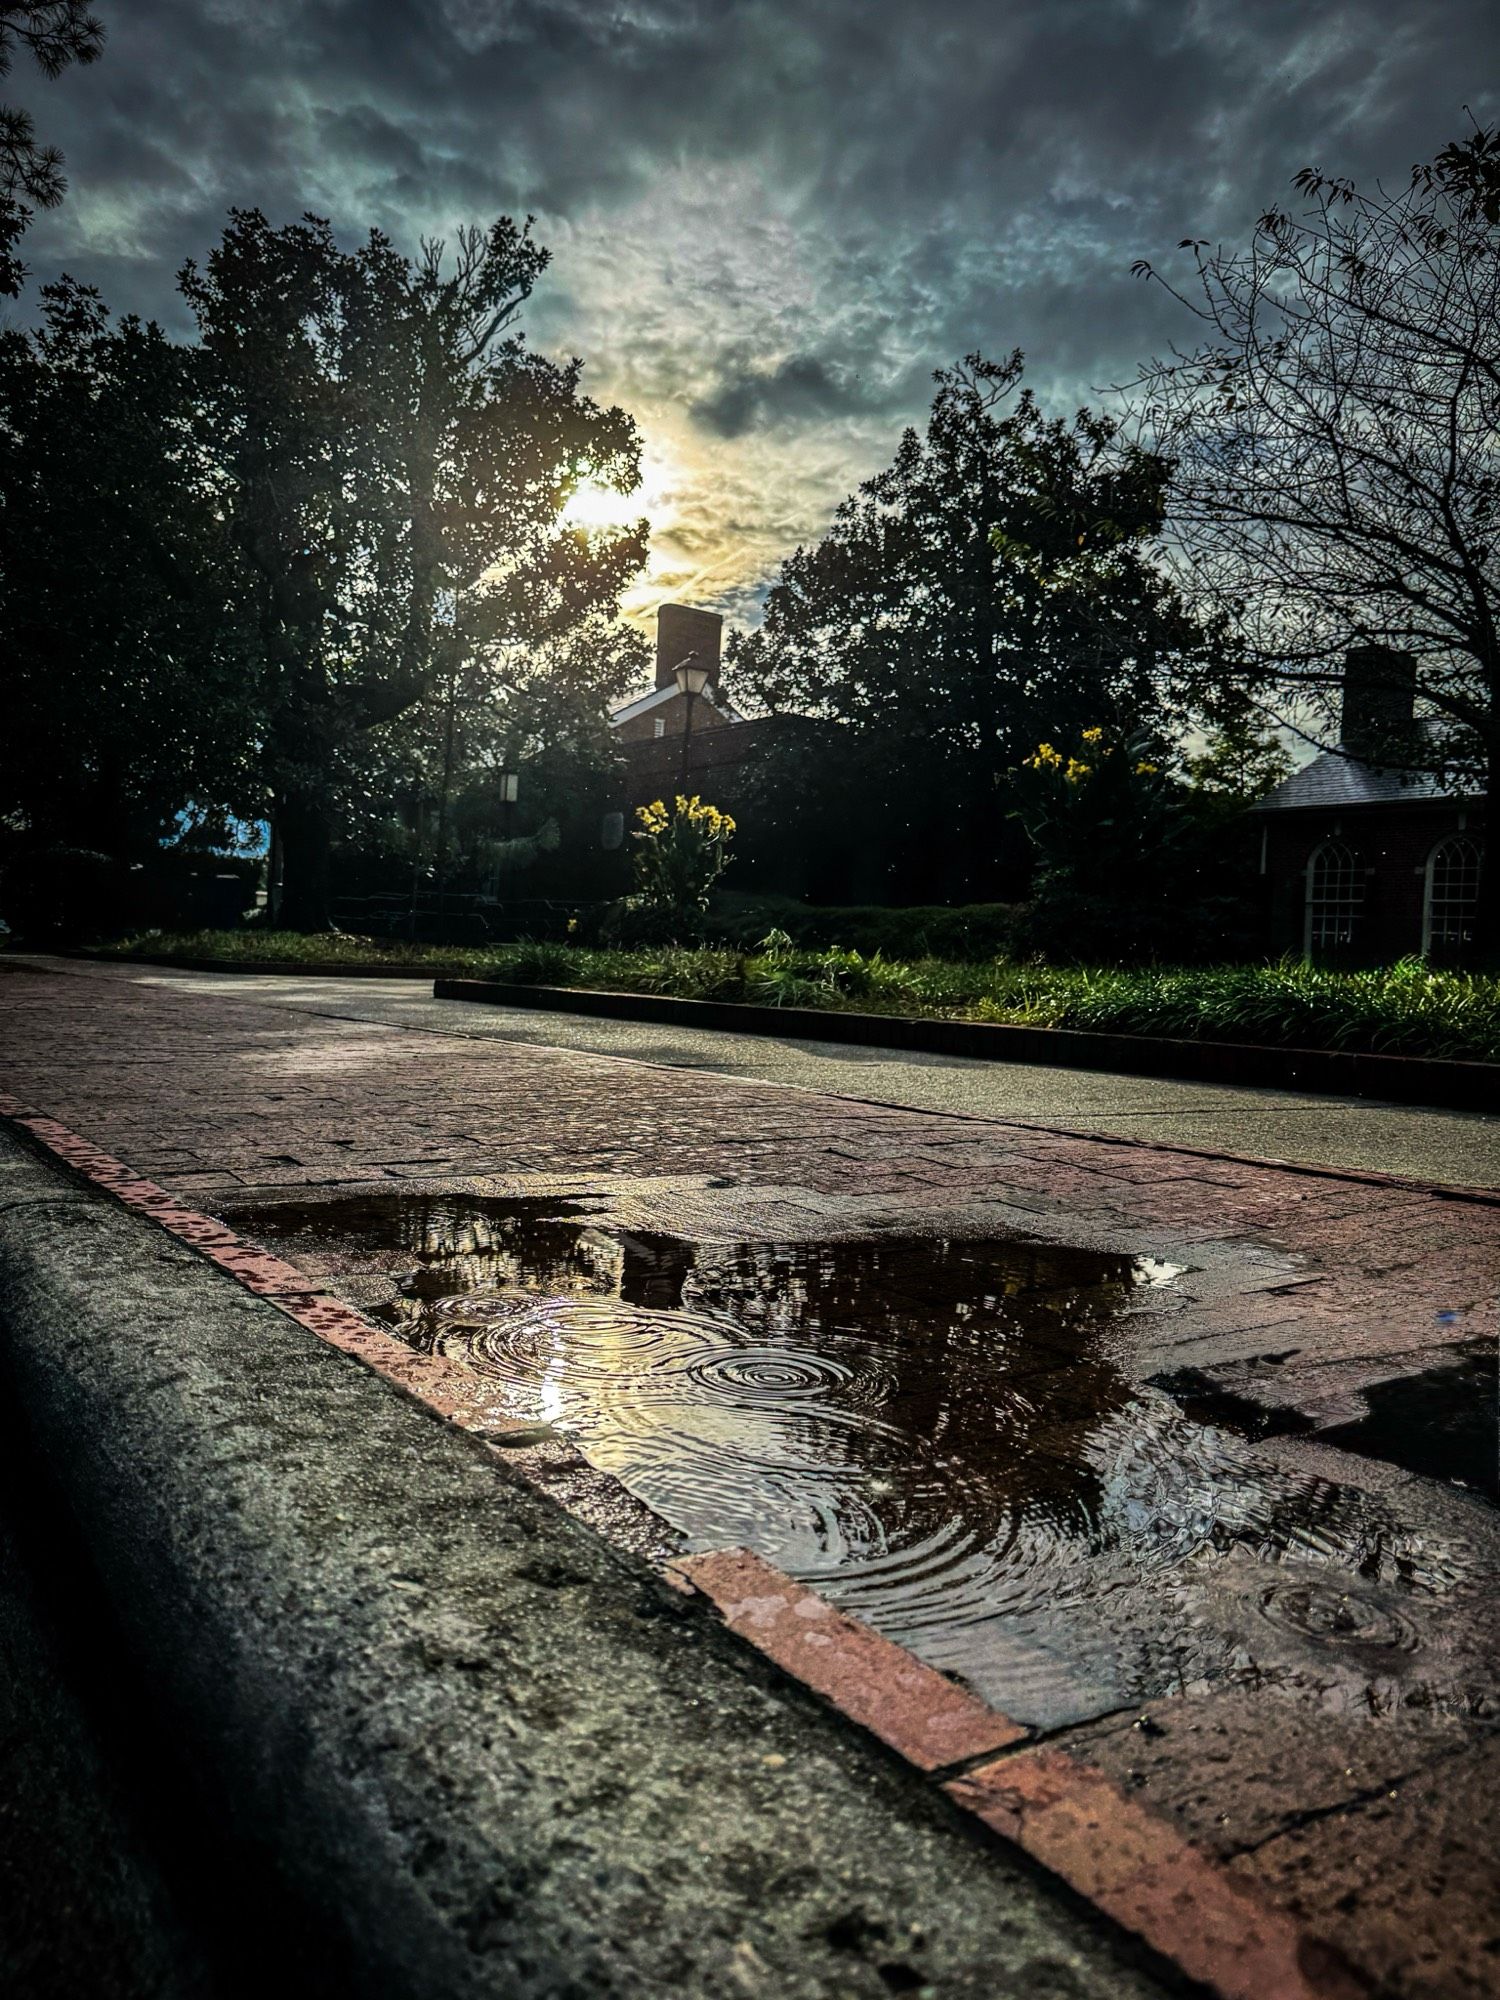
[
  {"x": 800, "y": 390},
  {"x": 772, "y": 219}
]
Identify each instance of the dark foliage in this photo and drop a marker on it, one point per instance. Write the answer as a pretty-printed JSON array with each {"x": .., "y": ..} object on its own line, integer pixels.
[
  {"x": 312, "y": 568},
  {"x": 996, "y": 584},
  {"x": 393, "y": 460},
  {"x": 54, "y": 33},
  {"x": 129, "y": 688}
]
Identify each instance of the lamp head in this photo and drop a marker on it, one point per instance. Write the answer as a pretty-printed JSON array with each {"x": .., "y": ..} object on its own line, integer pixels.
[{"x": 691, "y": 676}]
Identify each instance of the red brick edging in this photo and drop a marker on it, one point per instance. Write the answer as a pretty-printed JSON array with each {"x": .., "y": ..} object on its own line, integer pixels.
[{"x": 1068, "y": 1817}]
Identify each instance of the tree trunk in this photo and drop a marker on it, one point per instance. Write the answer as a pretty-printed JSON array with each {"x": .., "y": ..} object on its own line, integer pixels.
[
  {"x": 1486, "y": 952},
  {"x": 305, "y": 841},
  {"x": 442, "y": 825}
]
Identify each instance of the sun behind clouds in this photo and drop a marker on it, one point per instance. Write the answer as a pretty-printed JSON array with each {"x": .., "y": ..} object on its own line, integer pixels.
[{"x": 594, "y": 507}]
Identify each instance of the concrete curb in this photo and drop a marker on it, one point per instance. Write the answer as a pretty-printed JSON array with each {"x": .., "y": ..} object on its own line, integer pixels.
[
  {"x": 194, "y": 1543},
  {"x": 1467, "y": 1086}
]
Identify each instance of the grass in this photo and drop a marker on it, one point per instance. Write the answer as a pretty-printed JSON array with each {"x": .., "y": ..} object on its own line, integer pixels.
[
  {"x": 1406, "y": 1009},
  {"x": 335, "y": 951}
]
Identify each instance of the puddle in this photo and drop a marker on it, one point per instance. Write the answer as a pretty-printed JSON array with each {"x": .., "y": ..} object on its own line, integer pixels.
[
  {"x": 944, "y": 1436},
  {"x": 1441, "y": 1422}
]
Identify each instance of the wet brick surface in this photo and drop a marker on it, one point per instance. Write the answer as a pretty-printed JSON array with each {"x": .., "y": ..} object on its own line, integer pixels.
[
  {"x": 213, "y": 1095},
  {"x": 1358, "y": 1829}
]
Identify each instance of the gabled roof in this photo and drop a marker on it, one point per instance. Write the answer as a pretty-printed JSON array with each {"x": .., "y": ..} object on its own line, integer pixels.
[
  {"x": 1336, "y": 778},
  {"x": 643, "y": 704}
]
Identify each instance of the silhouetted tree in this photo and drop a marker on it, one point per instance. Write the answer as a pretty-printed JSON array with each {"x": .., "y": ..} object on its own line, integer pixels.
[
  {"x": 1242, "y": 759},
  {"x": 1335, "y": 440},
  {"x": 55, "y": 33},
  {"x": 393, "y": 463},
  {"x": 995, "y": 585},
  {"x": 538, "y": 709},
  {"x": 127, "y": 690}
]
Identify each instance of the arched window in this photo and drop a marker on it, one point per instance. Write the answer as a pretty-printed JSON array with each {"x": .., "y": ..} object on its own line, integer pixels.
[
  {"x": 1335, "y": 900},
  {"x": 1452, "y": 893}
]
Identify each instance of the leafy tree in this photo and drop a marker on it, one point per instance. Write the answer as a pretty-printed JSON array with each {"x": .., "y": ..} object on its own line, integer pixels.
[
  {"x": 1103, "y": 815},
  {"x": 1242, "y": 760},
  {"x": 536, "y": 710},
  {"x": 996, "y": 583},
  {"x": 393, "y": 462},
  {"x": 54, "y": 33},
  {"x": 1335, "y": 439},
  {"x": 126, "y": 691},
  {"x": 1131, "y": 863}
]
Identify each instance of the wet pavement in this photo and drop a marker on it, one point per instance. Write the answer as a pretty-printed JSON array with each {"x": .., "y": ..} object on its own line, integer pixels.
[
  {"x": 949, "y": 1436},
  {"x": 1185, "y": 1463},
  {"x": 1436, "y": 1145}
]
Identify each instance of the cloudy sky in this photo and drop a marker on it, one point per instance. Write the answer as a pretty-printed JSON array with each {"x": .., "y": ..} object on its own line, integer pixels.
[{"x": 771, "y": 219}]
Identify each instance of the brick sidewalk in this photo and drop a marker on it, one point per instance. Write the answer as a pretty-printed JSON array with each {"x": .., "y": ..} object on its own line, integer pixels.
[
  {"x": 1349, "y": 1281},
  {"x": 212, "y": 1096}
]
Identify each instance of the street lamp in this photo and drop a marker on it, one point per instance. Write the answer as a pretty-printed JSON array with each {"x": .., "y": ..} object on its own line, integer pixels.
[
  {"x": 508, "y": 785},
  {"x": 691, "y": 680}
]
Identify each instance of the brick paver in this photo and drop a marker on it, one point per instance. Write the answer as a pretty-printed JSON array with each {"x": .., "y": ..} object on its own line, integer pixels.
[{"x": 1304, "y": 1288}]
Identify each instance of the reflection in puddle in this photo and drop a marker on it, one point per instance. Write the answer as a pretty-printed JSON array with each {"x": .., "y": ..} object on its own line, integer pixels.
[
  {"x": 943, "y": 1435},
  {"x": 1441, "y": 1422}
]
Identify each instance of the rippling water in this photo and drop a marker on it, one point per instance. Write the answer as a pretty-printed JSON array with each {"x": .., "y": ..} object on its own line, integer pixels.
[{"x": 944, "y": 1436}]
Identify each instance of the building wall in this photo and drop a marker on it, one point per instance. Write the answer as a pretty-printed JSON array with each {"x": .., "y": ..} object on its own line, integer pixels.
[
  {"x": 642, "y": 728},
  {"x": 716, "y": 756},
  {"x": 1392, "y": 844}
]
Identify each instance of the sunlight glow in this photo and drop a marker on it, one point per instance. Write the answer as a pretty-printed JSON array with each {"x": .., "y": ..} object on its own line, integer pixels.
[
  {"x": 668, "y": 499},
  {"x": 594, "y": 507}
]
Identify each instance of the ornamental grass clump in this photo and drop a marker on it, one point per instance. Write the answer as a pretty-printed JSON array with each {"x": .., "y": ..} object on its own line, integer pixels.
[
  {"x": 1409, "y": 1008},
  {"x": 701, "y": 974},
  {"x": 530, "y": 964}
]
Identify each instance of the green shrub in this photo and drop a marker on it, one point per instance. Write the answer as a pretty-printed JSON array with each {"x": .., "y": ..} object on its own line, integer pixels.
[
  {"x": 531, "y": 964},
  {"x": 255, "y": 944},
  {"x": 635, "y": 923},
  {"x": 58, "y": 895},
  {"x": 968, "y": 932},
  {"x": 1069, "y": 927}
]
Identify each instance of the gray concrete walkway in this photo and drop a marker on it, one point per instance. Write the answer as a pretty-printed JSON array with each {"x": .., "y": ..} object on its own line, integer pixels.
[{"x": 1452, "y": 1146}]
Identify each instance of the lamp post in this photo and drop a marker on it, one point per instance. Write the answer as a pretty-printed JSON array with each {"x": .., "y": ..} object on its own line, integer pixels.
[
  {"x": 691, "y": 680},
  {"x": 509, "y": 786}
]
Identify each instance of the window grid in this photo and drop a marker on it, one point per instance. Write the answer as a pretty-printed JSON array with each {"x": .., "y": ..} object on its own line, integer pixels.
[
  {"x": 1335, "y": 899},
  {"x": 1452, "y": 895}
]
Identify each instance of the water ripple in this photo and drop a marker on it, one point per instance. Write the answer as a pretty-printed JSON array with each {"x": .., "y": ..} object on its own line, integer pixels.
[{"x": 946, "y": 1437}]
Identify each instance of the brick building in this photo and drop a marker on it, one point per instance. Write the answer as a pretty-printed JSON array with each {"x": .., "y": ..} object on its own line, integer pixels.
[
  {"x": 650, "y": 728},
  {"x": 1363, "y": 864}
]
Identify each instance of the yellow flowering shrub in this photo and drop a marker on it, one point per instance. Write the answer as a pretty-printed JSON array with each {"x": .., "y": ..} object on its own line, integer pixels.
[
  {"x": 681, "y": 851},
  {"x": 1101, "y": 813}
]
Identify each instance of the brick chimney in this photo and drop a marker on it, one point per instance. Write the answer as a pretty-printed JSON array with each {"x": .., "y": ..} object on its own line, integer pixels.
[
  {"x": 681, "y": 630},
  {"x": 1380, "y": 692}
]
